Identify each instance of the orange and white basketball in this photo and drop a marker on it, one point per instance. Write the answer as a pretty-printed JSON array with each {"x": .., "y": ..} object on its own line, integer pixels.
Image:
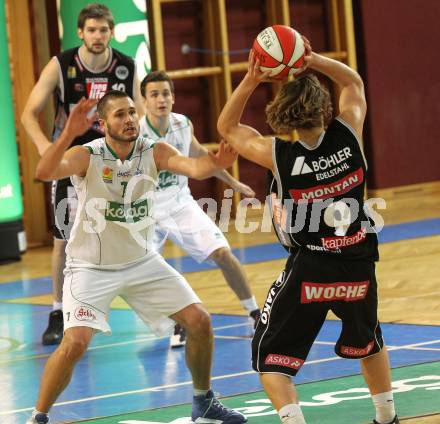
[{"x": 280, "y": 49}]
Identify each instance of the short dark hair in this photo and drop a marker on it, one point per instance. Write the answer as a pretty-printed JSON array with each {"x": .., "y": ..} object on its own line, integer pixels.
[
  {"x": 95, "y": 11},
  {"x": 156, "y": 76},
  {"x": 110, "y": 95}
]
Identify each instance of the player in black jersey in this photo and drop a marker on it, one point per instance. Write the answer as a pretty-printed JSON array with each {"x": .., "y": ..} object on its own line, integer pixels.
[
  {"x": 86, "y": 71},
  {"x": 319, "y": 217}
]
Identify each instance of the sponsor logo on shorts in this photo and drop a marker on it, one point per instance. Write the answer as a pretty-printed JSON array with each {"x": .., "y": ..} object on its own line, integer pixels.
[
  {"x": 265, "y": 313},
  {"x": 82, "y": 313},
  {"x": 326, "y": 191},
  {"x": 335, "y": 243},
  {"x": 280, "y": 280},
  {"x": 356, "y": 351},
  {"x": 107, "y": 174},
  {"x": 346, "y": 291},
  {"x": 277, "y": 285},
  {"x": 284, "y": 361},
  {"x": 132, "y": 212}
]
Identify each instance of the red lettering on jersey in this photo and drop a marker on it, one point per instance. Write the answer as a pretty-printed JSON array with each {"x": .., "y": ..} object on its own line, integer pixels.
[
  {"x": 334, "y": 243},
  {"x": 333, "y": 189}
]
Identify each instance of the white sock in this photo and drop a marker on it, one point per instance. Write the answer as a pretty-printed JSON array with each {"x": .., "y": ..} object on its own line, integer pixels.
[
  {"x": 198, "y": 392},
  {"x": 291, "y": 414},
  {"x": 249, "y": 304},
  {"x": 35, "y": 412},
  {"x": 57, "y": 306},
  {"x": 384, "y": 404}
]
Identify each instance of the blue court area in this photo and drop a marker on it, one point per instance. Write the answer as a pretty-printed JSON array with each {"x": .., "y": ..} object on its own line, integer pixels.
[
  {"x": 134, "y": 370},
  {"x": 251, "y": 254}
]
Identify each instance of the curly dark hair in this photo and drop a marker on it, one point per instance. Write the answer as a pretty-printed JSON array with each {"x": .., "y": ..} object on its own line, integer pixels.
[{"x": 301, "y": 103}]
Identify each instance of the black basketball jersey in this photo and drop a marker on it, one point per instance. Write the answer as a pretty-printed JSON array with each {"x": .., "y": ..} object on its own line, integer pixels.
[
  {"x": 319, "y": 204},
  {"x": 77, "y": 81}
]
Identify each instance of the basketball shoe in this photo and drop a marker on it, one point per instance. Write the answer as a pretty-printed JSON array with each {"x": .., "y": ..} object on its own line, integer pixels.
[
  {"x": 178, "y": 339},
  {"x": 55, "y": 328},
  {"x": 39, "y": 418},
  {"x": 207, "y": 409},
  {"x": 395, "y": 421}
]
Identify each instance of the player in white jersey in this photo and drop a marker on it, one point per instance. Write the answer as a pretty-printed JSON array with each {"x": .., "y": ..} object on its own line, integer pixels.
[
  {"x": 178, "y": 216},
  {"x": 108, "y": 253}
]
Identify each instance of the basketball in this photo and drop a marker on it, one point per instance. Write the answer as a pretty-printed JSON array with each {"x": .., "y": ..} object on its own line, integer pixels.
[{"x": 280, "y": 49}]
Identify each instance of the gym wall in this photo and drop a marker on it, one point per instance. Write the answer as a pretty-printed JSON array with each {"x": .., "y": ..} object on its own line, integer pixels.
[{"x": 397, "y": 48}]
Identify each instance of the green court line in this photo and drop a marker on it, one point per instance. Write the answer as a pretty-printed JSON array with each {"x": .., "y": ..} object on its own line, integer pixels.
[{"x": 342, "y": 400}]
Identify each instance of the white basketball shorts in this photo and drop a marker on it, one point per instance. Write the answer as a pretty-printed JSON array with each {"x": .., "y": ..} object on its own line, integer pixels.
[
  {"x": 152, "y": 288},
  {"x": 192, "y": 230}
]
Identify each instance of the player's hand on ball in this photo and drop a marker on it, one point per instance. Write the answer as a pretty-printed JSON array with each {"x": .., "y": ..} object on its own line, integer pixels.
[
  {"x": 307, "y": 53},
  {"x": 255, "y": 73}
]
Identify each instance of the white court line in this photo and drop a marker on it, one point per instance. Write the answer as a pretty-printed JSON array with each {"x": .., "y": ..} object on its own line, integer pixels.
[
  {"x": 185, "y": 383},
  {"x": 111, "y": 345},
  {"x": 433, "y": 349}
]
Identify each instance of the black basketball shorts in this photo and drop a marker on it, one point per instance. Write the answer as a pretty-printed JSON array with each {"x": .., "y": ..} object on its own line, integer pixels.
[
  {"x": 64, "y": 202},
  {"x": 297, "y": 305}
]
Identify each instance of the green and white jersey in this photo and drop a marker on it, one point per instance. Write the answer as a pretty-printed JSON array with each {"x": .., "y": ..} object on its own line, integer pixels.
[
  {"x": 115, "y": 199},
  {"x": 172, "y": 191}
]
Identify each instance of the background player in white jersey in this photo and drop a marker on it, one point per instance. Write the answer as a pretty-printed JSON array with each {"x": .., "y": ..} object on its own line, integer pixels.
[
  {"x": 328, "y": 252},
  {"x": 88, "y": 70},
  {"x": 178, "y": 216},
  {"x": 107, "y": 253}
]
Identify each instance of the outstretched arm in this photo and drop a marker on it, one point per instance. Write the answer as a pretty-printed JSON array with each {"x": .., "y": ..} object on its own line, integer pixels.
[
  {"x": 247, "y": 141},
  {"x": 352, "y": 103},
  {"x": 198, "y": 150},
  {"x": 57, "y": 162},
  {"x": 170, "y": 159}
]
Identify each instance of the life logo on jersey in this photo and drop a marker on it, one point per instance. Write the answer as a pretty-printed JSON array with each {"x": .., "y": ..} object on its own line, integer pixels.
[
  {"x": 121, "y": 72},
  {"x": 96, "y": 87},
  {"x": 107, "y": 175}
]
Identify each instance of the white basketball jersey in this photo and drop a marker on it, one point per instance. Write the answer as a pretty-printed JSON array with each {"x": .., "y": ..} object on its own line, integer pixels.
[
  {"x": 115, "y": 199},
  {"x": 172, "y": 190}
]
